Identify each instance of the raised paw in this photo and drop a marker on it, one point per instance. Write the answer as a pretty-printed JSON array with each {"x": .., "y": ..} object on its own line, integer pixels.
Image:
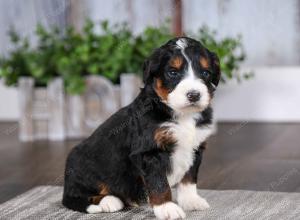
[
  {"x": 169, "y": 211},
  {"x": 193, "y": 202}
]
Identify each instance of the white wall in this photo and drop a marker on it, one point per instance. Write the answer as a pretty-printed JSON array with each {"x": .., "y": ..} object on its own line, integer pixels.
[
  {"x": 137, "y": 13},
  {"x": 24, "y": 15},
  {"x": 270, "y": 28},
  {"x": 273, "y": 95}
]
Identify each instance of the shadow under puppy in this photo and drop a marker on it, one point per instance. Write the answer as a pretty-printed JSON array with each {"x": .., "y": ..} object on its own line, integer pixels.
[{"x": 154, "y": 143}]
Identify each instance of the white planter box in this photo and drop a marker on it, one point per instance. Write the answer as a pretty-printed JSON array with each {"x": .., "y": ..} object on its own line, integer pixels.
[{"x": 48, "y": 113}]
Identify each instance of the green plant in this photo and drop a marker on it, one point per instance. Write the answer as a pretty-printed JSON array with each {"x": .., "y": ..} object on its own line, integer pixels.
[
  {"x": 115, "y": 50},
  {"x": 146, "y": 42},
  {"x": 107, "y": 54},
  {"x": 42, "y": 60},
  {"x": 72, "y": 58},
  {"x": 16, "y": 65},
  {"x": 229, "y": 50},
  {"x": 111, "y": 51}
]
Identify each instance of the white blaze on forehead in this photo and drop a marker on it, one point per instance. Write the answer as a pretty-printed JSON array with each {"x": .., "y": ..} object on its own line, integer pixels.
[{"x": 182, "y": 44}]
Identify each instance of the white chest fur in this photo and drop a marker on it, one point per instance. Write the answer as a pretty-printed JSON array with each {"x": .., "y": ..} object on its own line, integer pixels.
[{"x": 188, "y": 137}]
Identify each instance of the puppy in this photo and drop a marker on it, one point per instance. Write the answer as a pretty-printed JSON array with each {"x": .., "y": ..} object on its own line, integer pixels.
[{"x": 154, "y": 143}]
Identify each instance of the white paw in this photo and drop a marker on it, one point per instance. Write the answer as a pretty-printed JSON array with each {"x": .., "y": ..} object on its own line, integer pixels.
[
  {"x": 192, "y": 202},
  {"x": 168, "y": 210},
  {"x": 107, "y": 204},
  {"x": 92, "y": 209},
  {"x": 111, "y": 204}
]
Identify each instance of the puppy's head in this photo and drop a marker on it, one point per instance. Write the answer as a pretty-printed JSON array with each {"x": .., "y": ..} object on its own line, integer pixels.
[{"x": 184, "y": 74}]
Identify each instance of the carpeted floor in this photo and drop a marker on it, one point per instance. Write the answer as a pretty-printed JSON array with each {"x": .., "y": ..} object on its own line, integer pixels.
[{"x": 44, "y": 202}]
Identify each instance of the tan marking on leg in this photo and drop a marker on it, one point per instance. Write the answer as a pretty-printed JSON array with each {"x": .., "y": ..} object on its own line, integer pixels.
[
  {"x": 160, "y": 198},
  {"x": 95, "y": 199},
  {"x": 187, "y": 178},
  {"x": 103, "y": 191},
  {"x": 163, "y": 137}
]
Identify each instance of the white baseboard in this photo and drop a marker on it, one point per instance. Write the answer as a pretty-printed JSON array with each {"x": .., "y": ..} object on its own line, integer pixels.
[{"x": 273, "y": 95}]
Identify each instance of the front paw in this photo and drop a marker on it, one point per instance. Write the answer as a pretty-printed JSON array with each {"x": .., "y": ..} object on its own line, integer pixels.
[
  {"x": 194, "y": 202},
  {"x": 168, "y": 210}
]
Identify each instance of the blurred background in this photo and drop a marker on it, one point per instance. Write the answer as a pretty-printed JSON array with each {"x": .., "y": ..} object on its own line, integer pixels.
[{"x": 66, "y": 65}]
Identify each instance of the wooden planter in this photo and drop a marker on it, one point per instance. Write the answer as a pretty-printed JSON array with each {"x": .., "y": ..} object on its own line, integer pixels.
[{"x": 49, "y": 113}]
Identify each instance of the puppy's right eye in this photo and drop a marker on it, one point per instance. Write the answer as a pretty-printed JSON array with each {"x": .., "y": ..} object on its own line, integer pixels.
[{"x": 173, "y": 74}]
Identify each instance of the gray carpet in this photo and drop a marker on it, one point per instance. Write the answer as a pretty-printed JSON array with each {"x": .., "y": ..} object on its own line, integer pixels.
[{"x": 44, "y": 202}]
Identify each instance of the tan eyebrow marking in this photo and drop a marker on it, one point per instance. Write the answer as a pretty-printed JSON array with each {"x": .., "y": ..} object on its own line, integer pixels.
[
  {"x": 176, "y": 62},
  {"x": 204, "y": 62}
]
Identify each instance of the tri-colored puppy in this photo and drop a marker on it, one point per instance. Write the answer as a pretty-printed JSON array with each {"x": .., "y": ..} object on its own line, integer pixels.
[{"x": 155, "y": 143}]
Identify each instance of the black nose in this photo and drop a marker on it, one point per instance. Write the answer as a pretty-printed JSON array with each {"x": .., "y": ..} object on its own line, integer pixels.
[{"x": 193, "y": 96}]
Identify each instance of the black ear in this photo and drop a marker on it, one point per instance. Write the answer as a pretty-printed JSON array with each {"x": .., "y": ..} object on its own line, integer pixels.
[
  {"x": 146, "y": 70},
  {"x": 216, "y": 69},
  {"x": 151, "y": 66}
]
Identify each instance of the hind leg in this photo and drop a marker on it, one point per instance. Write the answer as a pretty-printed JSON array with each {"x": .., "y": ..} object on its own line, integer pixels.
[{"x": 108, "y": 203}]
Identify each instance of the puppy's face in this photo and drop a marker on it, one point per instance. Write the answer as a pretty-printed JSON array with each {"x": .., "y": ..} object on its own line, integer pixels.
[{"x": 184, "y": 74}]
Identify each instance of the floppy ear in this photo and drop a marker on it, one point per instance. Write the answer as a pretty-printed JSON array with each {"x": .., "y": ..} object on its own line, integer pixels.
[
  {"x": 146, "y": 70},
  {"x": 216, "y": 69},
  {"x": 151, "y": 66}
]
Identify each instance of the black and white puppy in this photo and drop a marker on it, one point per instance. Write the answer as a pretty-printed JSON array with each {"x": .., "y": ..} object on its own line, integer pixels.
[{"x": 153, "y": 144}]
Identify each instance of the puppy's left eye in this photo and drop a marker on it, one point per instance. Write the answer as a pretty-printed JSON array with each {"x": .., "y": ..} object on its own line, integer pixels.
[
  {"x": 205, "y": 74},
  {"x": 173, "y": 74}
]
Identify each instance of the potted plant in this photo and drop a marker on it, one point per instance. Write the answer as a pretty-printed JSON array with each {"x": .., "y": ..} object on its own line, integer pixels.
[{"x": 71, "y": 58}]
